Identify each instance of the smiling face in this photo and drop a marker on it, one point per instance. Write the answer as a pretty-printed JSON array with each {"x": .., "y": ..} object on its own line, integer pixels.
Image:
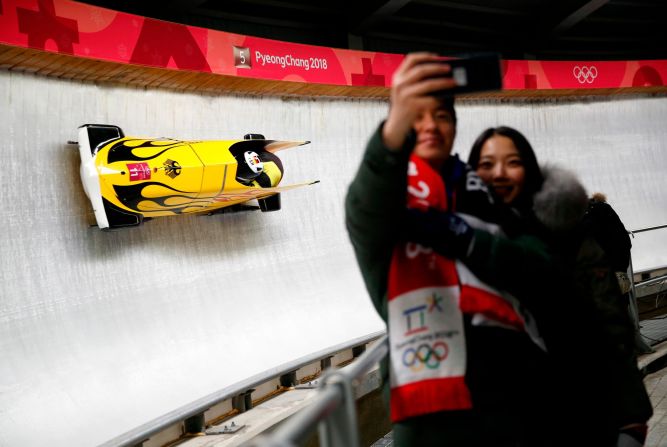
[
  {"x": 501, "y": 167},
  {"x": 436, "y": 128}
]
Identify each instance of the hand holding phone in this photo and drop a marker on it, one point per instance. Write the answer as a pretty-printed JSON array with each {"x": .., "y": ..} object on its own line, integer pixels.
[{"x": 474, "y": 73}]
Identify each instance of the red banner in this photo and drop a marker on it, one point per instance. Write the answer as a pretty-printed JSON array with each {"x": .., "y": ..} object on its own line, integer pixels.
[{"x": 68, "y": 27}]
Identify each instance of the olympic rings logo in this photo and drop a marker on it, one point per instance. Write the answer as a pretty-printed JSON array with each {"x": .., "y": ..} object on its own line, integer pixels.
[
  {"x": 585, "y": 74},
  {"x": 425, "y": 355}
]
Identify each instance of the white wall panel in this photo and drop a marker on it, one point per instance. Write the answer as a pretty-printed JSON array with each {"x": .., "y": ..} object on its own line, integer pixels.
[{"x": 102, "y": 332}]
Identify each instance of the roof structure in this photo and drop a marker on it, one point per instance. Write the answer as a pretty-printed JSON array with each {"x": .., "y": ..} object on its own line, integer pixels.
[{"x": 518, "y": 29}]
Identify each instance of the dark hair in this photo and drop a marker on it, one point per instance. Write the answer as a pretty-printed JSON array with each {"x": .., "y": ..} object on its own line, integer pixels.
[
  {"x": 533, "y": 180},
  {"x": 447, "y": 103}
]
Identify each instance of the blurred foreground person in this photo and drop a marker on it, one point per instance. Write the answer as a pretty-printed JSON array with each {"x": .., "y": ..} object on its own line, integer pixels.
[{"x": 466, "y": 365}]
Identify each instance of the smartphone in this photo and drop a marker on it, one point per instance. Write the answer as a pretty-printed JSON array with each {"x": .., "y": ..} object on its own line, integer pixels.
[{"x": 474, "y": 73}]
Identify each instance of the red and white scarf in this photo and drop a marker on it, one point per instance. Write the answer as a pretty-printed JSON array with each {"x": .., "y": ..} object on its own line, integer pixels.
[{"x": 428, "y": 295}]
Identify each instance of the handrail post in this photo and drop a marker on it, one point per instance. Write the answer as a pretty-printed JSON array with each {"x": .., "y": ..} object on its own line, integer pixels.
[
  {"x": 640, "y": 344},
  {"x": 333, "y": 409},
  {"x": 339, "y": 429}
]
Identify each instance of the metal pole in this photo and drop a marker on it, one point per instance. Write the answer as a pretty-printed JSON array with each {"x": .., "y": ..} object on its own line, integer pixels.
[
  {"x": 295, "y": 430},
  {"x": 340, "y": 428},
  {"x": 640, "y": 344},
  {"x": 333, "y": 408}
]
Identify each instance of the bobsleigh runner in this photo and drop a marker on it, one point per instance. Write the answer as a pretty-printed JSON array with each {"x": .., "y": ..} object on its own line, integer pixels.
[{"x": 130, "y": 179}]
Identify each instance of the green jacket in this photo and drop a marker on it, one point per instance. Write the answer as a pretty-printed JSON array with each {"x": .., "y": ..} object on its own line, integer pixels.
[
  {"x": 374, "y": 206},
  {"x": 505, "y": 383}
]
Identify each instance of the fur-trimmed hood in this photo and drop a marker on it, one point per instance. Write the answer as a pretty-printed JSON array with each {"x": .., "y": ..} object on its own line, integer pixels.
[{"x": 562, "y": 201}]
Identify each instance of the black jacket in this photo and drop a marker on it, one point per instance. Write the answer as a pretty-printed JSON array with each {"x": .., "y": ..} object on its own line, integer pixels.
[
  {"x": 587, "y": 329},
  {"x": 602, "y": 222}
]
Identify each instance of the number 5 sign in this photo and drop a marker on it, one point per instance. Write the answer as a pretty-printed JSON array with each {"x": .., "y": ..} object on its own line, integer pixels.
[{"x": 242, "y": 57}]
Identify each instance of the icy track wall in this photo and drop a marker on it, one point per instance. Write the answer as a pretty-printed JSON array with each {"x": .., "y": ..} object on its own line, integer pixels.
[{"x": 102, "y": 332}]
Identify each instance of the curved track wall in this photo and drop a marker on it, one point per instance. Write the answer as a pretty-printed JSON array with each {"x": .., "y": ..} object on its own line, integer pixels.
[{"x": 102, "y": 332}]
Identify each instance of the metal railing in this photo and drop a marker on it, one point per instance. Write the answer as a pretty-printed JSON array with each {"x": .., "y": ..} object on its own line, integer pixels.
[
  {"x": 634, "y": 309},
  {"x": 332, "y": 409},
  {"x": 142, "y": 433},
  {"x": 641, "y": 230}
]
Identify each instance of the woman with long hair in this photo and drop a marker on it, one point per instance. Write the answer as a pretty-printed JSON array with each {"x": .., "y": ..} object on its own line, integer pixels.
[{"x": 547, "y": 261}]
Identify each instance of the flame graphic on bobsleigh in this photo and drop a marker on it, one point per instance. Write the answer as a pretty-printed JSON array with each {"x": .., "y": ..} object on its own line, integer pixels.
[{"x": 129, "y": 179}]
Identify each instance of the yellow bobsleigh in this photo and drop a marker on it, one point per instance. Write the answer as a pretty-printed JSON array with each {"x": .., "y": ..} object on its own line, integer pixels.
[{"x": 129, "y": 179}]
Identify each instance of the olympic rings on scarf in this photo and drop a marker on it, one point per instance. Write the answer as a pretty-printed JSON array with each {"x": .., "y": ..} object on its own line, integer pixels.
[
  {"x": 425, "y": 355},
  {"x": 585, "y": 74}
]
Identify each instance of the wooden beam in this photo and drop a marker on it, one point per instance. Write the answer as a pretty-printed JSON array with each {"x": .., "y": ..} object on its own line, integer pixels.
[
  {"x": 577, "y": 16},
  {"x": 388, "y": 9},
  {"x": 184, "y": 5},
  {"x": 464, "y": 6}
]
